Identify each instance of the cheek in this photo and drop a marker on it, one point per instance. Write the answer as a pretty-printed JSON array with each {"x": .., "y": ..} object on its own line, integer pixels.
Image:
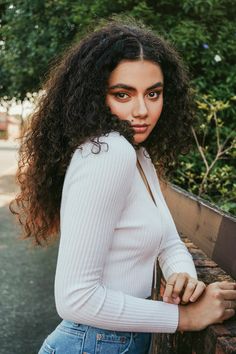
[
  {"x": 156, "y": 110},
  {"x": 119, "y": 109}
]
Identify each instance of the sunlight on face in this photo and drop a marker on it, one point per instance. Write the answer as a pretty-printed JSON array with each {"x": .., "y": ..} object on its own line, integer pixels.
[{"x": 135, "y": 93}]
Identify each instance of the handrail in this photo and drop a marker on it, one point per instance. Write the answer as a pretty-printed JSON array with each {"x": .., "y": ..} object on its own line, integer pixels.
[{"x": 211, "y": 229}]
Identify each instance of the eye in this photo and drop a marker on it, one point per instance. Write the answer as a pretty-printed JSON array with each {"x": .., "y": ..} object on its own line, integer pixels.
[
  {"x": 154, "y": 94},
  {"x": 121, "y": 95}
]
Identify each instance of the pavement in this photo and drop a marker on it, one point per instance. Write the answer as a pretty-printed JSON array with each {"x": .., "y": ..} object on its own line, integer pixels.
[
  {"x": 8, "y": 156},
  {"x": 27, "y": 308}
]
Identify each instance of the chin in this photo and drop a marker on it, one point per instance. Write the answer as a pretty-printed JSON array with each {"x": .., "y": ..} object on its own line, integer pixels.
[{"x": 139, "y": 138}]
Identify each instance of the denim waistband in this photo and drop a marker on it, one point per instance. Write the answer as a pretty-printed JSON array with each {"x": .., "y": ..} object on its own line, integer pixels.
[{"x": 85, "y": 328}]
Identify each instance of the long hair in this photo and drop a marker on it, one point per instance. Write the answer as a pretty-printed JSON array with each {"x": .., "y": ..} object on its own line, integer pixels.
[{"x": 72, "y": 109}]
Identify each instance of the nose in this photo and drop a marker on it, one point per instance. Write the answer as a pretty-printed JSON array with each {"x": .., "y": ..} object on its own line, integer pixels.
[{"x": 139, "y": 108}]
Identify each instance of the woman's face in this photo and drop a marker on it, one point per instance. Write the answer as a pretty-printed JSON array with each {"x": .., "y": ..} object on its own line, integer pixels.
[{"x": 135, "y": 93}]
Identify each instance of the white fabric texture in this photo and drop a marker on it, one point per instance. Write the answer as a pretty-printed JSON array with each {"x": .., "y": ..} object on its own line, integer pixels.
[{"x": 111, "y": 234}]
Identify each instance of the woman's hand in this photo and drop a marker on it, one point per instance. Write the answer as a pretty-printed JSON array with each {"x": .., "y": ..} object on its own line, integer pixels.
[
  {"x": 182, "y": 288},
  {"x": 217, "y": 304}
]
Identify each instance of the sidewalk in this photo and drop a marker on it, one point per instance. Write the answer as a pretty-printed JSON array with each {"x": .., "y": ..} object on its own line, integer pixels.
[
  {"x": 8, "y": 156},
  {"x": 9, "y": 143},
  {"x": 27, "y": 310},
  {"x": 8, "y": 166}
]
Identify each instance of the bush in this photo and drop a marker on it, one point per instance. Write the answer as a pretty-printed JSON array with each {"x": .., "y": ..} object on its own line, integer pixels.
[{"x": 208, "y": 170}]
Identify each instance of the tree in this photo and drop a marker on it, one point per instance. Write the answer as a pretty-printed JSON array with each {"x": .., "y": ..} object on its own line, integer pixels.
[{"x": 34, "y": 33}]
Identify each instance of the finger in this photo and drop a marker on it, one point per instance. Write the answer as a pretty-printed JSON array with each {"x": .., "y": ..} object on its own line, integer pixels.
[
  {"x": 169, "y": 300},
  {"x": 163, "y": 282},
  {"x": 228, "y": 313},
  {"x": 169, "y": 286},
  {"x": 168, "y": 291},
  {"x": 162, "y": 287},
  {"x": 179, "y": 285},
  {"x": 229, "y": 305},
  {"x": 226, "y": 285},
  {"x": 162, "y": 290},
  {"x": 229, "y": 294},
  {"x": 192, "y": 294},
  {"x": 189, "y": 290}
]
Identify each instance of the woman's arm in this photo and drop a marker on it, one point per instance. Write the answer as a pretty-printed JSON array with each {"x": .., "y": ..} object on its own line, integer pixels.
[
  {"x": 175, "y": 261},
  {"x": 173, "y": 254},
  {"x": 212, "y": 304}
]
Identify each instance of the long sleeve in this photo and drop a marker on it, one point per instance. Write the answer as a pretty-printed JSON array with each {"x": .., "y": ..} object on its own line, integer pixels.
[
  {"x": 94, "y": 199},
  {"x": 173, "y": 255}
]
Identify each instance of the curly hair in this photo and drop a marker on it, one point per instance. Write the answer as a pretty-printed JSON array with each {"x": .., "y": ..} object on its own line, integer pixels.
[{"x": 72, "y": 109}]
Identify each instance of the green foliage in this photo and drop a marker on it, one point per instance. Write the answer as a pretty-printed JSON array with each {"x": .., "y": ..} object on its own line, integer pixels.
[
  {"x": 34, "y": 33},
  {"x": 208, "y": 170}
]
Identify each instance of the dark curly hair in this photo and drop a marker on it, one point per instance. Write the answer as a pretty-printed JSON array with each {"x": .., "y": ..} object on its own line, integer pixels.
[{"x": 72, "y": 109}]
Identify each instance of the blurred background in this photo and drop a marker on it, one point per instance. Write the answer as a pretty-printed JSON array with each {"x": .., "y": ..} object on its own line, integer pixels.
[{"x": 32, "y": 35}]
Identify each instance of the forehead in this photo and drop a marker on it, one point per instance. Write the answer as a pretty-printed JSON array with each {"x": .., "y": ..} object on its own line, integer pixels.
[{"x": 136, "y": 73}]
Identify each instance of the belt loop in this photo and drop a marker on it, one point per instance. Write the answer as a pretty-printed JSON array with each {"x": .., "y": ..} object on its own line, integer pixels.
[{"x": 130, "y": 343}]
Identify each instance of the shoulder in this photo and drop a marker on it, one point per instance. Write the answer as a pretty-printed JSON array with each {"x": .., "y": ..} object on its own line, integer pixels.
[
  {"x": 110, "y": 145},
  {"x": 112, "y": 151}
]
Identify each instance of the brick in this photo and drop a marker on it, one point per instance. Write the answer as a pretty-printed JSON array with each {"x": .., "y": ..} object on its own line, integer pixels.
[
  {"x": 226, "y": 345},
  {"x": 205, "y": 263},
  {"x": 227, "y": 329}
]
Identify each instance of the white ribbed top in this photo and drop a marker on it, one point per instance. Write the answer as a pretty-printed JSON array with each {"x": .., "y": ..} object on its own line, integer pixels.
[{"x": 111, "y": 234}]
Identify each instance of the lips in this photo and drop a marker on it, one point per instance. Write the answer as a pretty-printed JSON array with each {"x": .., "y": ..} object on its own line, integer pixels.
[{"x": 140, "y": 128}]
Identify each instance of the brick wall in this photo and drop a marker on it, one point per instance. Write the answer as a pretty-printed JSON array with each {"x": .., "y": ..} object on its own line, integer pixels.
[{"x": 216, "y": 339}]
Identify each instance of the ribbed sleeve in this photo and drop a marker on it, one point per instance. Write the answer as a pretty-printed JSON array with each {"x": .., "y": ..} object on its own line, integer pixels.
[
  {"x": 94, "y": 199},
  {"x": 173, "y": 254}
]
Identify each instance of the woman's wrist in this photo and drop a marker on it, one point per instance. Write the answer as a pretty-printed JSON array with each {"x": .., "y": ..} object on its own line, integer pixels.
[
  {"x": 190, "y": 318},
  {"x": 185, "y": 323}
]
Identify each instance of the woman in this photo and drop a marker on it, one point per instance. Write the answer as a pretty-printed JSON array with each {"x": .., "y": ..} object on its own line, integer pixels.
[{"x": 117, "y": 101}]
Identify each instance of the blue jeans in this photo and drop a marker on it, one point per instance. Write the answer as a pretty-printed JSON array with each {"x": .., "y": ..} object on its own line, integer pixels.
[{"x": 73, "y": 338}]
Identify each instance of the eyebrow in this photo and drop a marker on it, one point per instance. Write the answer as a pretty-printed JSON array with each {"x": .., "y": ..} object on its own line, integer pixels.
[{"x": 130, "y": 88}]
